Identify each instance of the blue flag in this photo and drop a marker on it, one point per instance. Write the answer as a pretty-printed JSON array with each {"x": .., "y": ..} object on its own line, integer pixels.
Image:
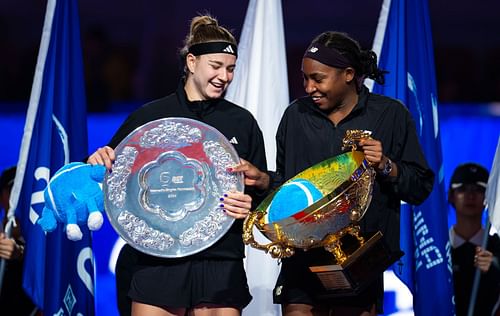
[
  {"x": 58, "y": 273},
  {"x": 404, "y": 45}
]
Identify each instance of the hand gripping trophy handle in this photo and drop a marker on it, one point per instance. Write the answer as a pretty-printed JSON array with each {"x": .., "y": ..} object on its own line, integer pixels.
[{"x": 352, "y": 138}]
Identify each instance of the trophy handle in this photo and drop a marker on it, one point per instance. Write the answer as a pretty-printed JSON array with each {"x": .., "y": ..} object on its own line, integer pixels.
[
  {"x": 275, "y": 249},
  {"x": 352, "y": 138},
  {"x": 333, "y": 245},
  {"x": 332, "y": 242}
]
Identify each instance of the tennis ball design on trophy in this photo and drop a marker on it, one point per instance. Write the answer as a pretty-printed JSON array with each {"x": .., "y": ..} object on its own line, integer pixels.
[{"x": 293, "y": 197}]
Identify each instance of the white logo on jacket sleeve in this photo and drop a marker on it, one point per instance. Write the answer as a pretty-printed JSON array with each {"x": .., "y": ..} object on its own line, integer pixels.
[{"x": 233, "y": 141}]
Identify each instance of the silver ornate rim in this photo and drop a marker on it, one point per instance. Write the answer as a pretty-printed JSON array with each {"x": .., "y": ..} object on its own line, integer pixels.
[{"x": 194, "y": 226}]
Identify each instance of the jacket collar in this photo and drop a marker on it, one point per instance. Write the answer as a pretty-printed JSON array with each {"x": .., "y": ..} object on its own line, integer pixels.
[
  {"x": 457, "y": 241},
  {"x": 199, "y": 108}
]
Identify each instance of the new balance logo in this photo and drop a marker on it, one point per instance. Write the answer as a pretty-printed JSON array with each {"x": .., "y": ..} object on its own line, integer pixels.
[
  {"x": 233, "y": 141},
  {"x": 313, "y": 49},
  {"x": 230, "y": 50}
]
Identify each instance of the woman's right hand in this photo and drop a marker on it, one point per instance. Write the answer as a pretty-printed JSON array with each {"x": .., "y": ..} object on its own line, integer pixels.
[
  {"x": 253, "y": 176},
  {"x": 102, "y": 156}
]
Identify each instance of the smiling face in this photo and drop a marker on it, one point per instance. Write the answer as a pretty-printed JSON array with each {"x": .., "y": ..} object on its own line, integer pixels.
[
  {"x": 330, "y": 88},
  {"x": 209, "y": 75}
]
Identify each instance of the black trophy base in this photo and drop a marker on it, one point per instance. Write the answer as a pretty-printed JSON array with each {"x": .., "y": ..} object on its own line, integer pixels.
[{"x": 363, "y": 265}]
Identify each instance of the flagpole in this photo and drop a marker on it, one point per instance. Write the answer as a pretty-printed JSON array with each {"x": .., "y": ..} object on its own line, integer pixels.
[
  {"x": 492, "y": 195},
  {"x": 28, "y": 128},
  {"x": 58, "y": 274},
  {"x": 379, "y": 35},
  {"x": 477, "y": 275}
]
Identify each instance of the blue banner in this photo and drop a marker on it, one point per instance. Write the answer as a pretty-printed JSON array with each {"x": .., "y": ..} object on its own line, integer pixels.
[
  {"x": 407, "y": 53},
  {"x": 58, "y": 273}
]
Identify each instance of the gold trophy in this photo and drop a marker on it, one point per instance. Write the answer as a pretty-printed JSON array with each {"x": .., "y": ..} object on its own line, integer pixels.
[{"x": 322, "y": 207}]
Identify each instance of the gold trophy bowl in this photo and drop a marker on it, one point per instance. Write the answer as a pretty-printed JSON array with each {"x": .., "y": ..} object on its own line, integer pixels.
[
  {"x": 345, "y": 183},
  {"x": 321, "y": 207}
]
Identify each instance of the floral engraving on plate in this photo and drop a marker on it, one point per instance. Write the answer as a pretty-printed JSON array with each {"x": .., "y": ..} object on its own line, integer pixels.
[
  {"x": 170, "y": 134},
  {"x": 141, "y": 234},
  {"x": 221, "y": 160},
  {"x": 117, "y": 181},
  {"x": 205, "y": 229},
  {"x": 163, "y": 193}
]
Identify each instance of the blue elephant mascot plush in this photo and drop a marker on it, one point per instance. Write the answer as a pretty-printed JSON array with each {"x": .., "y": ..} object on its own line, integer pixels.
[{"x": 74, "y": 197}]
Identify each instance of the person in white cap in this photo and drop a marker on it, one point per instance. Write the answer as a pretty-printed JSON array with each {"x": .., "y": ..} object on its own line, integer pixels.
[{"x": 466, "y": 195}]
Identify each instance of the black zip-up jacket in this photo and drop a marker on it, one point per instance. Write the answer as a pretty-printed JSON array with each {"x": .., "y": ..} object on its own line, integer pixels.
[
  {"x": 233, "y": 122},
  {"x": 307, "y": 136}
]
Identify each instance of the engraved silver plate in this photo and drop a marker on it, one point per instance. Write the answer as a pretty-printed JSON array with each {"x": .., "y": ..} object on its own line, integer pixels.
[{"x": 162, "y": 196}]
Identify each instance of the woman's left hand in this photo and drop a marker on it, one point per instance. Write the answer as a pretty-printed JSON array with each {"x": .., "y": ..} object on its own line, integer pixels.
[
  {"x": 372, "y": 149},
  {"x": 236, "y": 204}
]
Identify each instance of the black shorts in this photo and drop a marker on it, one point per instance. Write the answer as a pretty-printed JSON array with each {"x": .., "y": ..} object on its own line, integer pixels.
[
  {"x": 296, "y": 284},
  {"x": 188, "y": 283}
]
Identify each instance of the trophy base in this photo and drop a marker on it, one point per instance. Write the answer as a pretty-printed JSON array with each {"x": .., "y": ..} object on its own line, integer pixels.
[{"x": 362, "y": 266}]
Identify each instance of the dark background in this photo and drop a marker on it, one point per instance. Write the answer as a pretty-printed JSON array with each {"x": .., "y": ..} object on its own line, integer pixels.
[{"x": 130, "y": 47}]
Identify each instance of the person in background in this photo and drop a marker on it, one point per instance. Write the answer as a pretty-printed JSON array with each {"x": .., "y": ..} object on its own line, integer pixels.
[
  {"x": 466, "y": 195},
  {"x": 13, "y": 299},
  {"x": 213, "y": 281}
]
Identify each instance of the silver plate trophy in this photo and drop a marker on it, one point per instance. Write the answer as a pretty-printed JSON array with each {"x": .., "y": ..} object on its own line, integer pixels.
[{"x": 162, "y": 195}]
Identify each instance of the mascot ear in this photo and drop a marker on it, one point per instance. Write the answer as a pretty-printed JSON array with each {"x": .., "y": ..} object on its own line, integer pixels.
[{"x": 97, "y": 173}]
